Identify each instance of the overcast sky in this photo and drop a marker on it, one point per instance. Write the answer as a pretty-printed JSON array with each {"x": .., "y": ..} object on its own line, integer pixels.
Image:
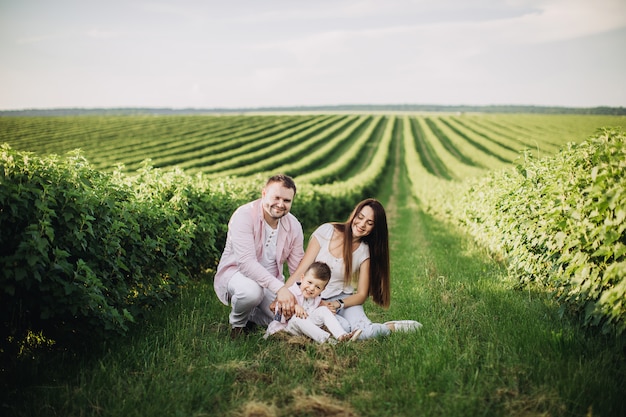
[{"x": 228, "y": 54}]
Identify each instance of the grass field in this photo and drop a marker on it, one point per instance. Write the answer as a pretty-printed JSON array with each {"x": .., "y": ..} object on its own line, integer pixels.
[{"x": 485, "y": 349}]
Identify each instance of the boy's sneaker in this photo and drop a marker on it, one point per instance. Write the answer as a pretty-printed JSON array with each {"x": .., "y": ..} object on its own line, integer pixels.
[
  {"x": 351, "y": 337},
  {"x": 356, "y": 334},
  {"x": 405, "y": 325}
]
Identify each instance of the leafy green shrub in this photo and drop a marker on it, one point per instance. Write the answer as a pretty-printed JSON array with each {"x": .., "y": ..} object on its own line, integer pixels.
[
  {"x": 84, "y": 252},
  {"x": 201, "y": 207},
  {"x": 561, "y": 221}
]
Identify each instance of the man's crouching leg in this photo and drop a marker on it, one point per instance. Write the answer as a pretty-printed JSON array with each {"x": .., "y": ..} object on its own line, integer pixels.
[{"x": 245, "y": 296}]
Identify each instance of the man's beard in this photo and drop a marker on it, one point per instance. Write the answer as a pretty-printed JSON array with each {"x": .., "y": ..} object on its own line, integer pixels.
[{"x": 275, "y": 213}]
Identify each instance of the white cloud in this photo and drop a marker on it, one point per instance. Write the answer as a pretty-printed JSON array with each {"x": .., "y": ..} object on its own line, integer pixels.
[
  {"x": 37, "y": 39},
  {"x": 281, "y": 52},
  {"x": 561, "y": 20},
  {"x": 103, "y": 34},
  {"x": 556, "y": 20},
  {"x": 439, "y": 50}
]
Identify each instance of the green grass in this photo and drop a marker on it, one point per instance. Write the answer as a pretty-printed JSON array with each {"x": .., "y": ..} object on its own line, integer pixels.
[{"x": 486, "y": 349}]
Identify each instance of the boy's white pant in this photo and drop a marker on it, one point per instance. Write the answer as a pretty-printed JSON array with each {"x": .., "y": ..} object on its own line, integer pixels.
[{"x": 311, "y": 325}]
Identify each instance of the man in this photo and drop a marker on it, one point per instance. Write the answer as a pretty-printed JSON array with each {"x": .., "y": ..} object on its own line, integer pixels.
[{"x": 262, "y": 235}]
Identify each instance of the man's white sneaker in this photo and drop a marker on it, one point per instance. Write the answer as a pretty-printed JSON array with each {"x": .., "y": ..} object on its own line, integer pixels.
[{"x": 405, "y": 325}]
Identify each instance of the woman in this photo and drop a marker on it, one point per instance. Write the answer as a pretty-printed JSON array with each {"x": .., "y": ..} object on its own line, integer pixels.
[{"x": 357, "y": 250}]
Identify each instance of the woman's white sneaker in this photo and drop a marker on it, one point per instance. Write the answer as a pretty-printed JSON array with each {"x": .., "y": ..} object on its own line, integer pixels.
[{"x": 404, "y": 325}]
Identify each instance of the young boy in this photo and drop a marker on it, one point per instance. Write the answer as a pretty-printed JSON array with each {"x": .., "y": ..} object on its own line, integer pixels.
[{"x": 309, "y": 315}]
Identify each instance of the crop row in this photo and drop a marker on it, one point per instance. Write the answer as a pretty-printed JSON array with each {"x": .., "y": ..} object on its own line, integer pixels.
[
  {"x": 181, "y": 149},
  {"x": 107, "y": 141},
  {"x": 247, "y": 145}
]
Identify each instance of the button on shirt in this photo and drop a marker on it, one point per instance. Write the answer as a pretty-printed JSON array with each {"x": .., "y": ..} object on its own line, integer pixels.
[{"x": 269, "y": 249}]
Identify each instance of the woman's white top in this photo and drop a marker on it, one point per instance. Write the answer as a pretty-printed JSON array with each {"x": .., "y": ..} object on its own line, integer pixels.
[{"x": 336, "y": 285}]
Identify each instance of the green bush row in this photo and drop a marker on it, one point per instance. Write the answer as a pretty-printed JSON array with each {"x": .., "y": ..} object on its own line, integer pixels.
[
  {"x": 561, "y": 222},
  {"x": 85, "y": 252}
]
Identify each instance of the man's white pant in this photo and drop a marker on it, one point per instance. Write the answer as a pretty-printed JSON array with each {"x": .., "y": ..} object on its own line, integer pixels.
[
  {"x": 311, "y": 325},
  {"x": 249, "y": 301}
]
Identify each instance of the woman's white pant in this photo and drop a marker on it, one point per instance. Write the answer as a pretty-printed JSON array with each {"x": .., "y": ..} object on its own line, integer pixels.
[{"x": 352, "y": 318}]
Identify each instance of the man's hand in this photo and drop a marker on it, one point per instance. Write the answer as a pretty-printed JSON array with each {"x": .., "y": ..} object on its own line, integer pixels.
[{"x": 286, "y": 301}]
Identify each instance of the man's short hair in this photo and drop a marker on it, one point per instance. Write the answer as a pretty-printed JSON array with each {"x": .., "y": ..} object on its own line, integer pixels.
[{"x": 285, "y": 180}]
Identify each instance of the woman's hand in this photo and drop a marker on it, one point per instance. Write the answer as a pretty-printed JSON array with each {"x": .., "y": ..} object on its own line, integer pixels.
[{"x": 333, "y": 306}]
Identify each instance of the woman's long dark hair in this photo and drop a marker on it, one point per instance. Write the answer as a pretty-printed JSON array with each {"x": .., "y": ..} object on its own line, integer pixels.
[{"x": 378, "y": 242}]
